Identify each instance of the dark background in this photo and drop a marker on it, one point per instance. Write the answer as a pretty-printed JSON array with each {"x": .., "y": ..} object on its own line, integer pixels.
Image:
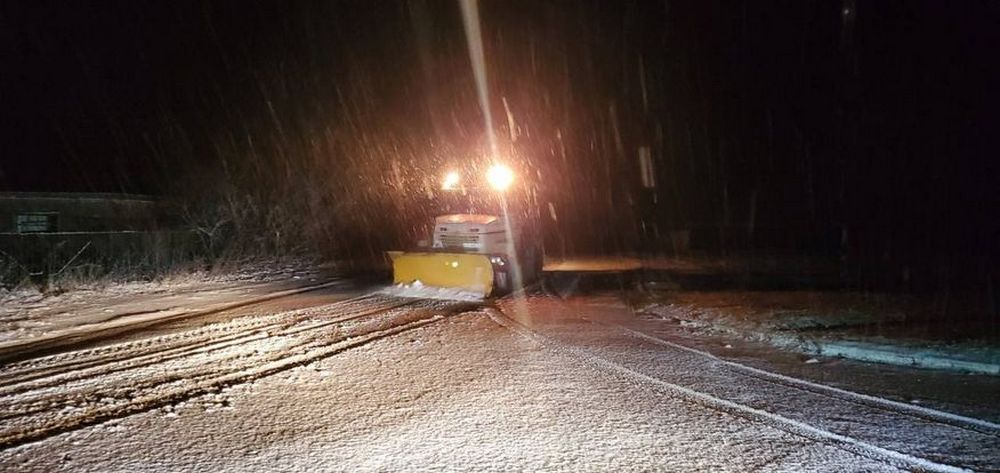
[{"x": 860, "y": 130}]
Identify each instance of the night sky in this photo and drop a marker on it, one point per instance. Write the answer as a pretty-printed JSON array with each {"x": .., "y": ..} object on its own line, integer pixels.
[{"x": 800, "y": 118}]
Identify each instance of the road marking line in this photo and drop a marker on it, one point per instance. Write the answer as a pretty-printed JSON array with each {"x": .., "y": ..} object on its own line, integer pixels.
[
  {"x": 792, "y": 426},
  {"x": 919, "y": 410}
]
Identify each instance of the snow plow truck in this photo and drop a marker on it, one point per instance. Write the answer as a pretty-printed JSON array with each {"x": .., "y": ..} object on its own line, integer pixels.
[{"x": 476, "y": 253}]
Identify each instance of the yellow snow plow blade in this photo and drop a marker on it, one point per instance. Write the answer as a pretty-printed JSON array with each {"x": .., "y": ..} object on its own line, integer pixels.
[{"x": 466, "y": 271}]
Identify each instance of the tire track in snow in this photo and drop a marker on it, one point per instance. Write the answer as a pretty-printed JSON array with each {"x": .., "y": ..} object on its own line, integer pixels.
[
  {"x": 15, "y": 373},
  {"x": 844, "y": 442},
  {"x": 20, "y": 349},
  {"x": 152, "y": 401},
  {"x": 86, "y": 394},
  {"x": 146, "y": 354},
  {"x": 133, "y": 397}
]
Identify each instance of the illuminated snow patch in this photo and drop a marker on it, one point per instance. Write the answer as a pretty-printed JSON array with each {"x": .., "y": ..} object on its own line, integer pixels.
[{"x": 418, "y": 290}]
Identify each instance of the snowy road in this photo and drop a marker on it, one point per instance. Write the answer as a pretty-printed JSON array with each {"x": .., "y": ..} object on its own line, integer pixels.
[
  {"x": 385, "y": 383},
  {"x": 901, "y": 434}
]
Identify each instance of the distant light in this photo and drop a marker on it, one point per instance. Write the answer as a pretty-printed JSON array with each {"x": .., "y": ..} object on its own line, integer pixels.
[
  {"x": 454, "y": 264},
  {"x": 500, "y": 177},
  {"x": 451, "y": 180}
]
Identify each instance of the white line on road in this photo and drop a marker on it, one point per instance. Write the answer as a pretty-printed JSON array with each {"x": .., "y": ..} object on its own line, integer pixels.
[
  {"x": 924, "y": 412},
  {"x": 849, "y": 444}
]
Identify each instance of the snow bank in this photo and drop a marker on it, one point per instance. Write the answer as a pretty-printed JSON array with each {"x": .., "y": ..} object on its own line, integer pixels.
[
  {"x": 925, "y": 357},
  {"x": 810, "y": 333}
]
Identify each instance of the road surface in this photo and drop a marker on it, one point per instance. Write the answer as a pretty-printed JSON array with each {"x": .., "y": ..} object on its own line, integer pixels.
[{"x": 382, "y": 383}]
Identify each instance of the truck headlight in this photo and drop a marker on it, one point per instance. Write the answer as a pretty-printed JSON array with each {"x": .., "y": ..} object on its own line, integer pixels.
[
  {"x": 451, "y": 180},
  {"x": 500, "y": 177}
]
